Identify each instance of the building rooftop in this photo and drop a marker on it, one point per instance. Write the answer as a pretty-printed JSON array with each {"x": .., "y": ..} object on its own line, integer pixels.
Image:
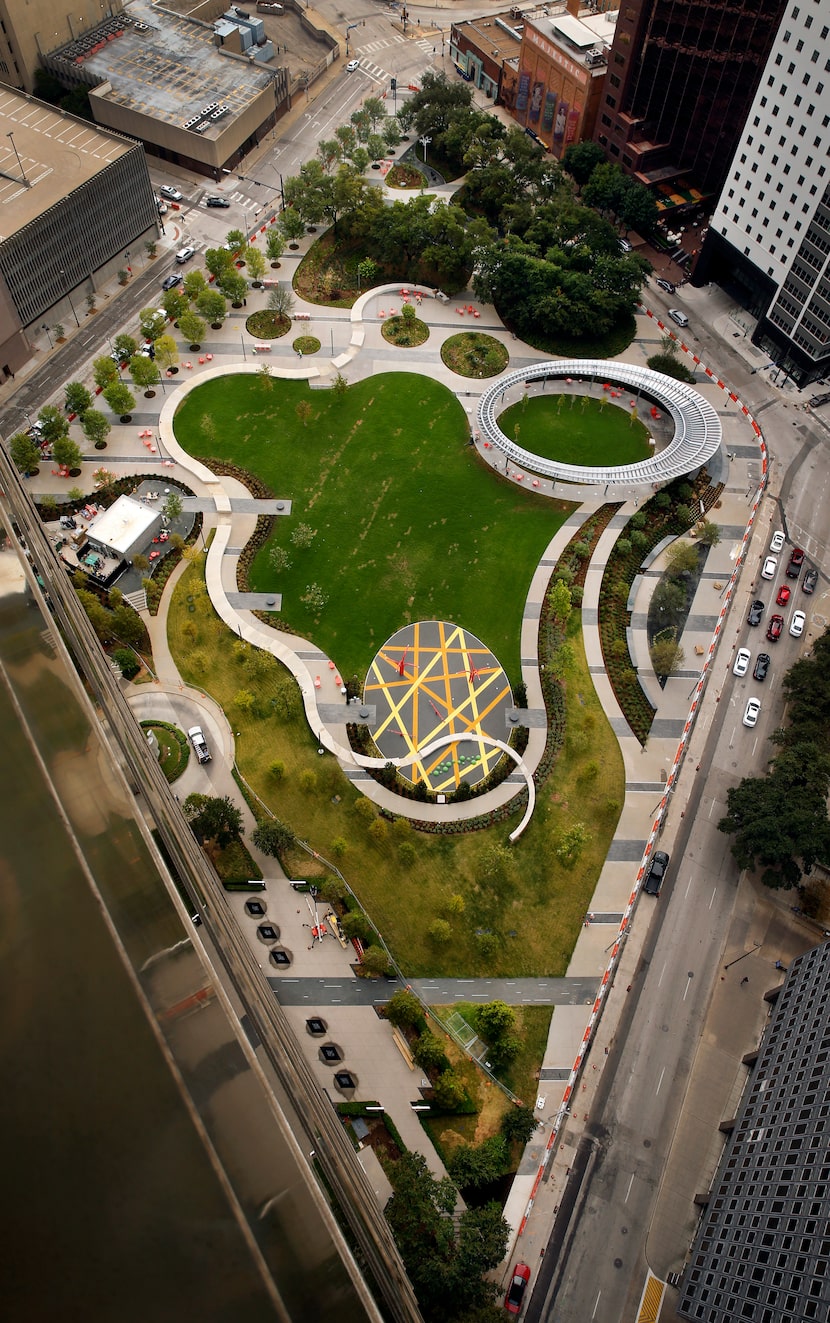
[
  {"x": 57, "y": 154},
  {"x": 122, "y": 524},
  {"x": 166, "y": 66},
  {"x": 501, "y": 34}
]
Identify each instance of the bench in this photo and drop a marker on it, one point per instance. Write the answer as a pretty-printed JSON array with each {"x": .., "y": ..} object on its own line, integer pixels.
[{"x": 403, "y": 1047}]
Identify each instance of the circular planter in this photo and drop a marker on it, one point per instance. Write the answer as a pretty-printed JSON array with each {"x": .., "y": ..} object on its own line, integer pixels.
[
  {"x": 375, "y": 165},
  {"x": 293, "y": 246},
  {"x": 311, "y": 229},
  {"x": 125, "y": 418},
  {"x": 100, "y": 445},
  {"x": 172, "y": 371},
  {"x": 74, "y": 473},
  {"x": 194, "y": 349},
  {"x": 275, "y": 266},
  {"x": 149, "y": 394},
  {"x": 32, "y": 473},
  {"x": 236, "y": 304}
]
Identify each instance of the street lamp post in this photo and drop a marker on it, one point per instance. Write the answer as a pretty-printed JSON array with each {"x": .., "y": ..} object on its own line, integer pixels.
[
  {"x": 69, "y": 296},
  {"x": 425, "y": 141},
  {"x": 19, "y": 162},
  {"x": 45, "y": 328}
]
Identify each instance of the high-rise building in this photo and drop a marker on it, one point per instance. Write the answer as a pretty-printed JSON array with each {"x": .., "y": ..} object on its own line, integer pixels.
[
  {"x": 681, "y": 77},
  {"x": 769, "y": 239},
  {"x": 762, "y": 1250}
]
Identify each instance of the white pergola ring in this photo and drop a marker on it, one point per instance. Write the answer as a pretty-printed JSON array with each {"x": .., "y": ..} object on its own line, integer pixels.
[{"x": 697, "y": 427}]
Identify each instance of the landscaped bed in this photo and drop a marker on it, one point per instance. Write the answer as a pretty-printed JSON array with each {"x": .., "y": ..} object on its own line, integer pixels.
[{"x": 473, "y": 354}]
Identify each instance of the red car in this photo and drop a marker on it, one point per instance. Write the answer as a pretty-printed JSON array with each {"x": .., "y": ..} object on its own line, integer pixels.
[
  {"x": 776, "y": 625},
  {"x": 516, "y": 1290},
  {"x": 796, "y": 562},
  {"x": 784, "y": 595}
]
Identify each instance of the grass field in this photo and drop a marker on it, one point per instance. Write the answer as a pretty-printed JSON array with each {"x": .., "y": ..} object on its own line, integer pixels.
[
  {"x": 576, "y": 430},
  {"x": 522, "y": 920},
  {"x": 408, "y": 523}
]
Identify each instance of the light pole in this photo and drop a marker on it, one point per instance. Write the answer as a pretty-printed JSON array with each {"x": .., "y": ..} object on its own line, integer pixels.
[
  {"x": 242, "y": 338},
  {"x": 19, "y": 162},
  {"x": 69, "y": 296},
  {"x": 425, "y": 141},
  {"x": 45, "y": 328}
]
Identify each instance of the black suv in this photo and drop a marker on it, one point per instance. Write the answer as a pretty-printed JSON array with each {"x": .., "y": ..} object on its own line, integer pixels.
[
  {"x": 761, "y": 666},
  {"x": 216, "y": 201},
  {"x": 756, "y": 612},
  {"x": 656, "y": 873},
  {"x": 808, "y": 583}
]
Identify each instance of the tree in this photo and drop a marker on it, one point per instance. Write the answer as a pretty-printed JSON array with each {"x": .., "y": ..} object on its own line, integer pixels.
[
  {"x": 120, "y": 399},
  {"x": 274, "y": 244},
  {"x": 559, "y": 600},
  {"x": 708, "y": 534},
  {"x": 213, "y": 819},
  {"x": 449, "y": 1091},
  {"x": 25, "y": 452},
  {"x": 127, "y": 625},
  {"x": 428, "y": 1051},
  {"x": 519, "y": 1124},
  {"x": 356, "y": 924},
  {"x": 212, "y": 306},
  {"x": 217, "y": 261},
  {"x": 256, "y": 263},
  {"x": 682, "y": 559},
  {"x": 144, "y": 372},
  {"x": 53, "y": 424},
  {"x": 129, "y": 665},
  {"x": 314, "y": 598},
  {"x": 194, "y": 284},
  {"x": 233, "y": 285},
  {"x": 570, "y": 843},
  {"x": 235, "y": 239},
  {"x": 273, "y": 837},
  {"x": 474, "y": 1165},
  {"x": 104, "y": 371},
  {"x": 125, "y": 346},
  {"x": 175, "y": 302},
  {"x": 439, "y": 932},
  {"x": 666, "y": 656},
  {"x": 95, "y": 426},
  {"x": 77, "y": 398},
  {"x": 281, "y": 301},
  {"x": 303, "y": 536},
  {"x": 581, "y": 159},
  {"x": 166, "y": 351},
  {"x": 152, "y": 323},
  {"x": 172, "y": 507},
  {"x": 292, "y": 225},
  {"x": 192, "y": 328},
  {"x": 304, "y": 411},
  {"x": 404, "y": 1009},
  {"x": 375, "y": 960},
  {"x": 67, "y": 453},
  {"x": 494, "y": 1020}
]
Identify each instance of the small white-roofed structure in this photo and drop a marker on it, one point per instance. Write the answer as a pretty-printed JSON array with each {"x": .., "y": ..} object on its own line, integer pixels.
[{"x": 125, "y": 529}]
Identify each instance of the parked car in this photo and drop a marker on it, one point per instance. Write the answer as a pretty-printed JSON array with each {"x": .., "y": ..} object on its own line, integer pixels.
[
  {"x": 796, "y": 562},
  {"x": 756, "y": 612},
  {"x": 742, "y": 659},
  {"x": 185, "y": 254},
  {"x": 353, "y": 66},
  {"x": 797, "y": 624},
  {"x": 161, "y": 207},
  {"x": 819, "y": 399},
  {"x": 808, "y": 583},
  {"x": 168, "y": 191},
  {"x": 783, "y": 595},
  {"x": 656, "y": 873},
  {"x": 170, "y": 282},
  {"x": 216, "y": 201},
  {"x": 200, "y": 747},
  {"x": 762, "y": 665},
  {"x": 678, "y": 316},
  {"x": 753, "y": 707},
  {"x": 516, "y": 1290},
  {"x": 665, "y": 285},
  {"x": 625, "y": 245},
  {"x": 769, "y": 567},
  {"x": 774, "y": 628},
  {"x": 777, "y": 541}
]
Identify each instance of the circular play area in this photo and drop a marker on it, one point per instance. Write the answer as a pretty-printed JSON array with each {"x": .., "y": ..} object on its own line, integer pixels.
[
  {"x": 431, "y": 680},
  {"x": 697, "y": 427}
]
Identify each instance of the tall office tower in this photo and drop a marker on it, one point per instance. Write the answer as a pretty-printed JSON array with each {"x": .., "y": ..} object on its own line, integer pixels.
[
  {"x": 29, "y": 28},
  {"x": 681, "y": 77},
  {"x": 762, "y": 1250},
  {"x": 769, "y": 239}
]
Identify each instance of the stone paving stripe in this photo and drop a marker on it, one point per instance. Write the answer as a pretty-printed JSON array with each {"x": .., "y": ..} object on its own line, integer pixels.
[
  {"x": 550, "y": 1073},
  {"x": 667, "y": 728},
  {"x": 533, "y": 718},
  {"x": 233, "y": 551},
  {"x": 529, "y": 661},
  {"x": 730, "y": 532},
  {"x": 685, "y": 675},
  {"x": 590, "y": 615},
  {"x": 625, "y": 852},
  {"x": 256, "y": 601},
  {"x": 706, "y": 624},
  {"x": 599, "y": 916},
  {"x": 597, "y": 670},
  {"x": 644, "y": 787},
  {"x": 313, "y": 654},
  {"x": 533, "y": 610},
  {"x": 620, "y": 726}
]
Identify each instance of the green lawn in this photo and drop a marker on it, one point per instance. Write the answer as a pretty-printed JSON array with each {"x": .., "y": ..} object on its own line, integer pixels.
[
  {"x": 577, "y": 429},
  {"x": 409, "y": 524}
]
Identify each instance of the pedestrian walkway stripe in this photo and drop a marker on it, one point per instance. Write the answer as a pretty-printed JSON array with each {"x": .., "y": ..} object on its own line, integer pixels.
[{"x": 651, "y": 1300}]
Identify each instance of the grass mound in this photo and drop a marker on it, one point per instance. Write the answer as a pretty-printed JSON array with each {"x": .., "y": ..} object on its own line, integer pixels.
[
  {"x": 473, "y": 354},
  {"x": 576, "y": 429},
  {"x": 267, "y": 325}
]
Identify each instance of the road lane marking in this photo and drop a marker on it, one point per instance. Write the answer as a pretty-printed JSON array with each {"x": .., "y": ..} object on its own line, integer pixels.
[
  {"x": 596, "y": 1304},
  {"x": 662, "y": 972},
  {"x": 689, "y": 886},
  {"x": 711, "y": 809},
  {"x": 660, "y": 1081},
  {"x": 628, "y": 1191},
  {"x": 688, "y": 985},
  {"x": 714, "y": 893}
]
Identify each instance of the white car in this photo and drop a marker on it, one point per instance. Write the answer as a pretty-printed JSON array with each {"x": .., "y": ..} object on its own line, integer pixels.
[
  {"x": 742, "y": 660},
  {"x": 797, "y": 624},
  {"x": 777, "y": 541},
  {"x": 168, "y": 191},
  {"x": 353, "y": 66},
  {"x": 753, "y": 707},
  {"x": 185, "y": 254},
  {"x": 769, "y": 567}
]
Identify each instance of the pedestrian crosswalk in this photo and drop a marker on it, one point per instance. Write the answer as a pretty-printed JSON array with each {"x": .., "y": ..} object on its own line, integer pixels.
[
  {"x": 373, "y": 71},
  {"x": 426, "y": 45}
]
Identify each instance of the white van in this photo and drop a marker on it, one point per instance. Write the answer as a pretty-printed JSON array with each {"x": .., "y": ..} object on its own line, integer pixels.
[{"x": 678, "y": 316}]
